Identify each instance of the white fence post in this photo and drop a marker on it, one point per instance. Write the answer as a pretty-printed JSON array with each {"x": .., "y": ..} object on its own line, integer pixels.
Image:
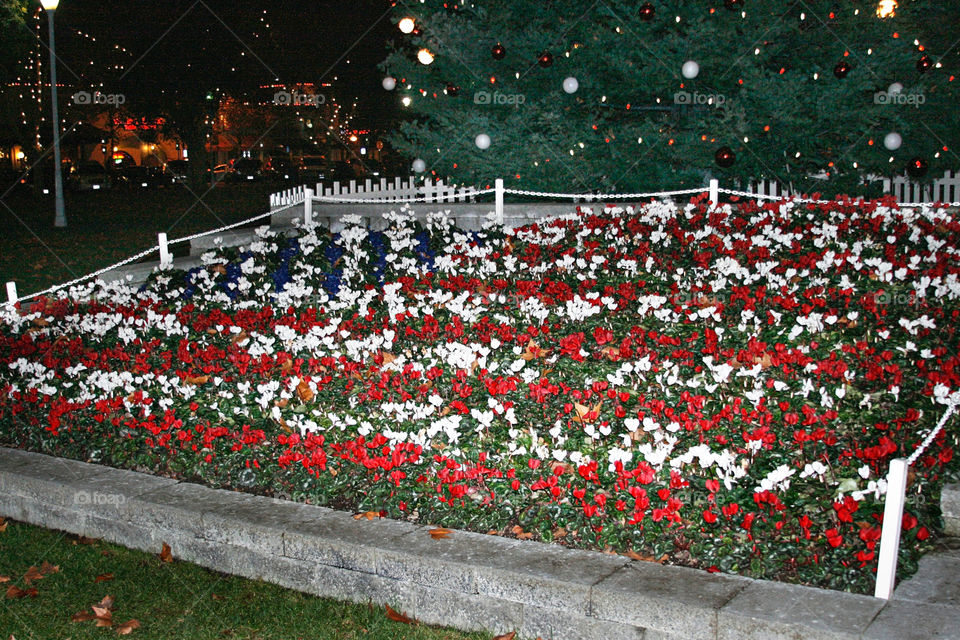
[
  {"x": 499, "y": 201},
  {"x": 892, "y": 522},
  {"x": 307, "y": 207},
  {"x": 715, "y": 192},
  {"x": 12, "y": 292},
  {"x": 164, "y": 249}
]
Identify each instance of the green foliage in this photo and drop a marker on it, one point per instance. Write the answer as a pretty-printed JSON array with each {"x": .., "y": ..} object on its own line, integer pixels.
[{"x": 770, "y": 64}]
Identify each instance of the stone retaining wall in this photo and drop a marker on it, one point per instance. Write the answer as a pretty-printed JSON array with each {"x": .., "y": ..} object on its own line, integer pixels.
[{"x": 467, "y": 580}]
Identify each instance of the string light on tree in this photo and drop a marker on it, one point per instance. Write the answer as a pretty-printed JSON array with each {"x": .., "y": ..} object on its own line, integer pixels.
[
  {"x": 887, "y": 8},
  {"x": 498, "y": 51},
  {"x": 407, "y": 25},
  {"x": 545, "y": 59},
  {"x": 647, "y": 12},
  {"x": 424, "y": 56}
]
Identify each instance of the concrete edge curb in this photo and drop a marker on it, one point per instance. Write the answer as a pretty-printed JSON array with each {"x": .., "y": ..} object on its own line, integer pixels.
[{"x": 467, "y": 580}]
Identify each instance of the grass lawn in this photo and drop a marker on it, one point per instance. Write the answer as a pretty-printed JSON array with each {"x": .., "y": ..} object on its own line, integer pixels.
[
  {"x": 104, "y": 228},
  {"x": 169, "y": 600}
]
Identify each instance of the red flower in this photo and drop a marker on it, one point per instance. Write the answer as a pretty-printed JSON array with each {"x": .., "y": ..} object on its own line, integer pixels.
[
  {"x": 834, "y": 538},
  {"x": 709, "y": 517},
  {"x": 922, "y": 533}
]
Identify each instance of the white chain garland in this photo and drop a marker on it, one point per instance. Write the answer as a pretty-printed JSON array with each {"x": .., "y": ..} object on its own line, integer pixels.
[{"x": 933, "y": 434}]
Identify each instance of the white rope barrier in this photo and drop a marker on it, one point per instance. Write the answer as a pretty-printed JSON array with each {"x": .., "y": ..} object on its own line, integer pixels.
[
  {"x": 893, "y": 510},
  {"x": 604, "y": 196},
  {"x": 307, "y": 198}
]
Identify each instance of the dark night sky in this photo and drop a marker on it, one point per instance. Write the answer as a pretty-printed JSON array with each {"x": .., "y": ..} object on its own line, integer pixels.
[{"x": 196, "y": 45}]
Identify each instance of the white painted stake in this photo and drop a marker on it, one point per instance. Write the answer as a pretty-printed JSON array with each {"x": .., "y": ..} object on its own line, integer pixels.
[
  {"x": 715, "y": 192},
  {"x": 499, "y": 202},
  {"x": 308, "y": 207},
  {"x": 164, "y": 249},
  {"x": 12, "y": 292},
  {"x": 890, "y": 535}
]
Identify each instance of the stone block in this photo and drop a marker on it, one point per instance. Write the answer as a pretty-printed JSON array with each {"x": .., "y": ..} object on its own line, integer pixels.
[
  {"x": 778, "y": 611},
  {"x": 465, "y": 611},
  {"x": 253, "y": 522},
  {"x": 335, "y": 538},
  {"x": 548, "y": 576},
  {"x": 558, "y": 624},
  {"x": 903, "y": 620},
  {"x": 664, "y": 598},
  {"x": 448, "y": 563},
  {"x": 937, "y": 581},
  {"x": 950, "y": 507}
]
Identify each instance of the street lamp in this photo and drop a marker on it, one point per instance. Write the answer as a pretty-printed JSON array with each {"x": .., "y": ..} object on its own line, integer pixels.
[{"x": 61, "y": 218}]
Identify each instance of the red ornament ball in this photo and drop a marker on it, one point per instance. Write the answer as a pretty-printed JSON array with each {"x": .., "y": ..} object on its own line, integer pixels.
[
  {"x": 917, "y": 167},
  {"x": 725, "y": 157}
]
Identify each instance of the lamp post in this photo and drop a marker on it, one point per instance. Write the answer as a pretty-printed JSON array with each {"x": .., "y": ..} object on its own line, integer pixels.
[{"x": 61, "y": 218}]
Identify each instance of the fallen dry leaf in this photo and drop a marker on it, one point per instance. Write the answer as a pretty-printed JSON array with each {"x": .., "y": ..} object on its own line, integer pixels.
[
  {"x": 104, "y": 617},
  {"x": 633, "y": 555},
  {"x": 586, "y": 415},
  {"x": 366, "y": 515},
  {"x": 4, "y": 579},
  {"x": 166, "y": 554},
  {"x": 3, "y": 525},
  {"x": 534, "y": 351},
  {"x": 216, "y": 596},
  {"x": 103, "y": 577},
  {"x": 520, "y": 533},
  {"x": 197, "y": 380},
  {"x": 82, "y": 616},
  {"x": 86, "y": 540},
  {"x": 106, "y": 603},
  {"x": 304, "y": 392},
  {"x": 507, "y": 636},
  {"x": 127, "y": 627},
  {"x": 240, "y": 337},
  {"x": 399, "y": 617},
  {"x": 436, "y": 534},
  {"x": 14, "y": 592}
]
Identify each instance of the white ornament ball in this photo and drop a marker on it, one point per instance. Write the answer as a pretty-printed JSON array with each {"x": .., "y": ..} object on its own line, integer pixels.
[
  {"x": 483, "y": 141},
  {"x": 570, "y": 85},
  {"x": 892, "y": 141},
  {"x": 895, "y": 88},
  {"x": 690, "y": 69},
  {"x": 389, "y": 83},
  {"x": 419, "y": 166}
]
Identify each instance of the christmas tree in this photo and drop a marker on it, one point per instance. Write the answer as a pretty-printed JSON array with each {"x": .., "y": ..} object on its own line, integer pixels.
[{"x": 623, "y": 96}]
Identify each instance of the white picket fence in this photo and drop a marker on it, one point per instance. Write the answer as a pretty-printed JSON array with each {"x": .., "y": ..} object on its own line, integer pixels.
[
  {"x": 397, "y": 190},
  {"x": 945, "y": 190}
]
